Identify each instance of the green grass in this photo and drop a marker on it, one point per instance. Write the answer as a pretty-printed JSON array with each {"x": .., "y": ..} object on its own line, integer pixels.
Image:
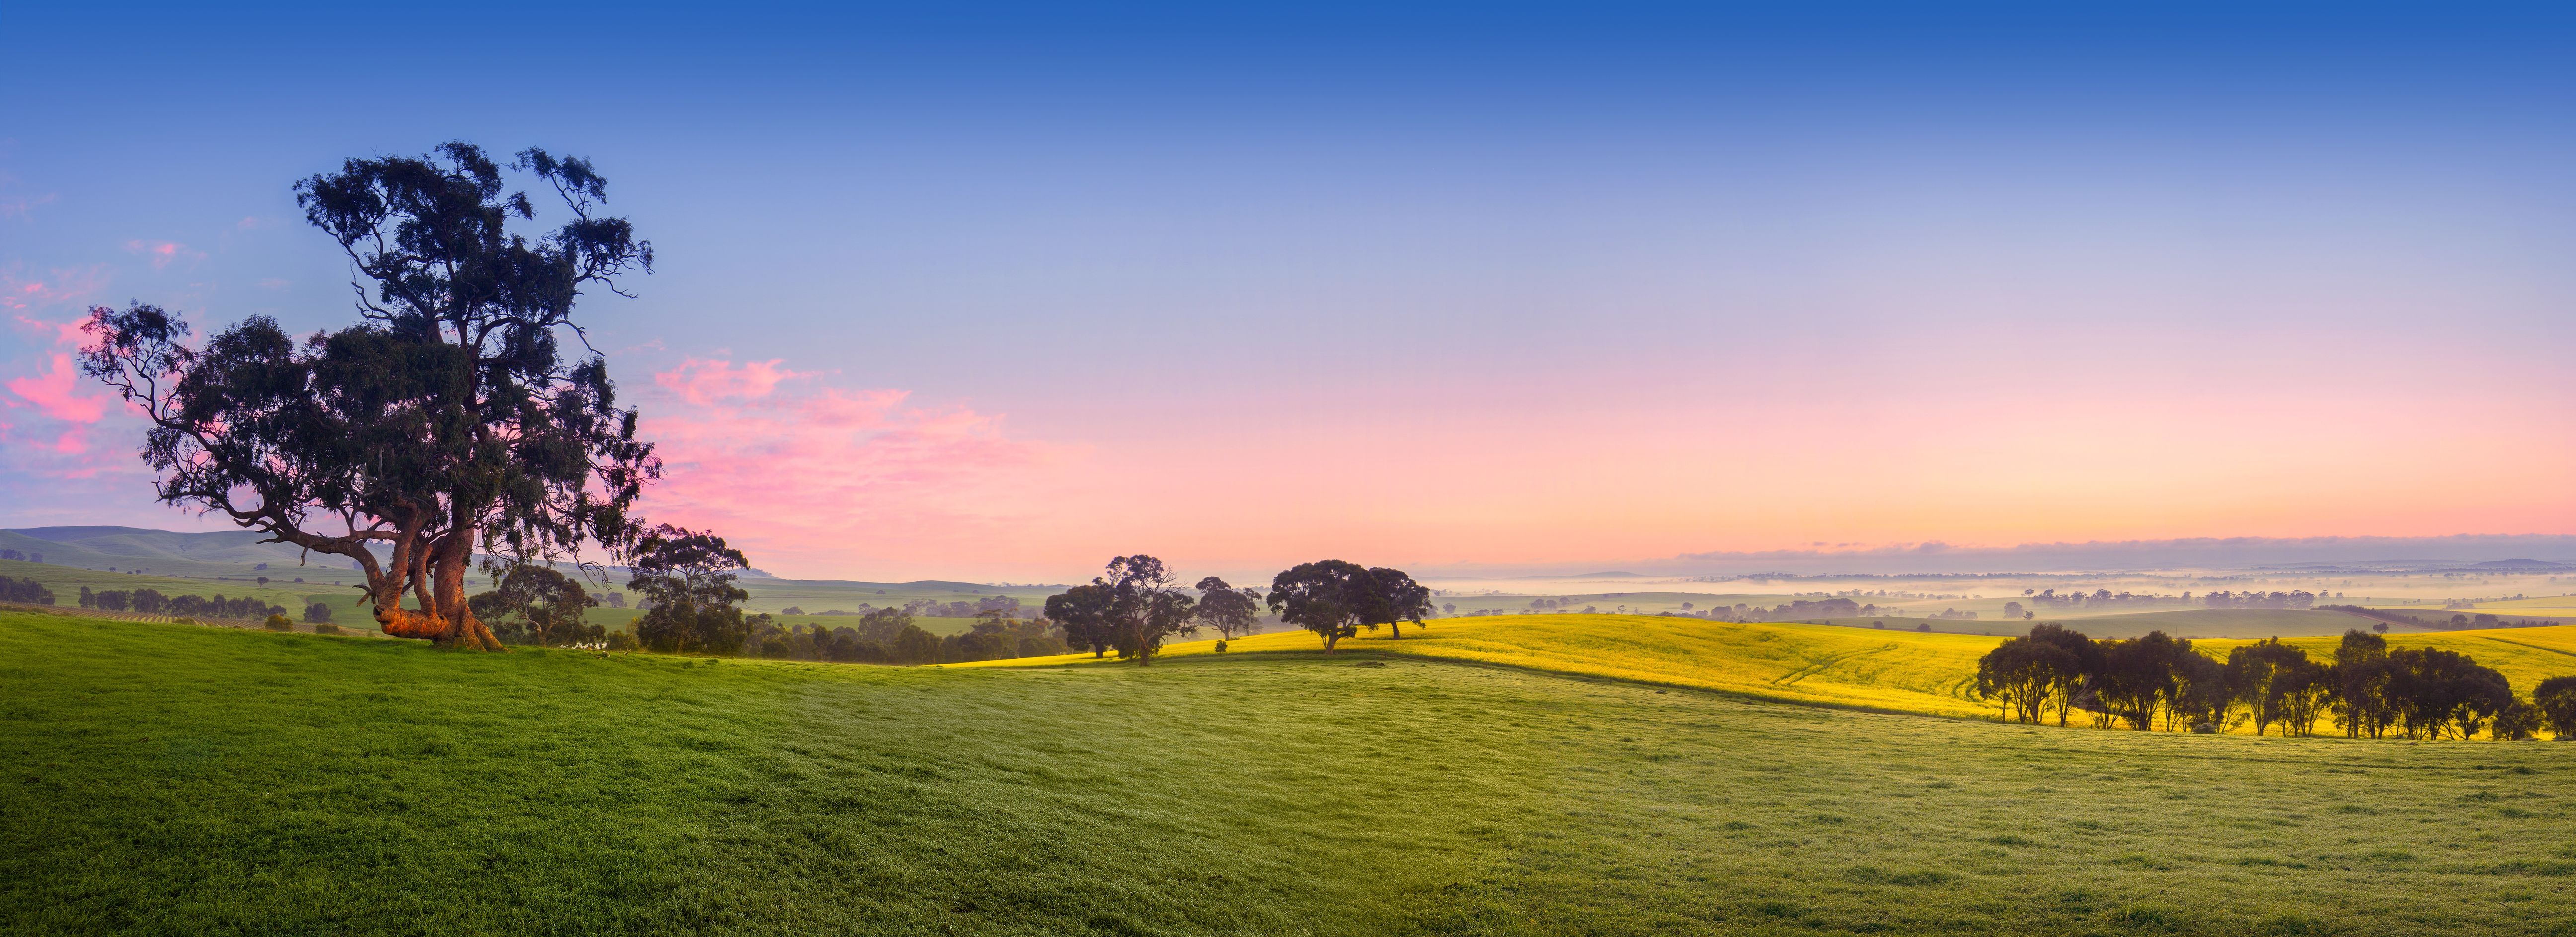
[{"x": 165, "y": 779}]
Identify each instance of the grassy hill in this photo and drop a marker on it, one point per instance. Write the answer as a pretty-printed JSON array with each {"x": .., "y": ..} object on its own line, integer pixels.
[{"x": 166, "y": 779}]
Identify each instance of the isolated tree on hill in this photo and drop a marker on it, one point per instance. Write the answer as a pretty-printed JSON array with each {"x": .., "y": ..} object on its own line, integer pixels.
[
  {"x": 448, "y": 421},
  {"x": 1232, "y": 612},
  {"x": 1082, "y": 613},
  {"x": 687, "y": 577},
  {"x": 2556, "y": 699},
  {"x": 1327, "y": 597},
  {"x": 1146, "y": 605},
  {"x": 537, "y": 605},
  {"x": 1395, "y": 599}
]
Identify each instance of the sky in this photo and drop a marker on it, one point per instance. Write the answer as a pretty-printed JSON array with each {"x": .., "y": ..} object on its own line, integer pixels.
[{"x": 996, "y": 292}]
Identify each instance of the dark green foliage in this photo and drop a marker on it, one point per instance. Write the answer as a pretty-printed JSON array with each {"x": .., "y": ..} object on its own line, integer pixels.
[
  {"x": 1131, "y": 607},
  {"x": 1394, "y": 599},
  {"x": 1083, "y": 614},
  {"x": 2028, "y": 674},
  {"x": 1231, "y": 612},
  {"x": 278, "y": 622},
  {"x": 317, "y": 612},
  {"x": 538, "y": 605},
  {"x": 686, "y": 578},
  {"x": 1331, "y": 598},
  {"x": 2556, "y": 700},
  {"x": 13, "y": 589}
]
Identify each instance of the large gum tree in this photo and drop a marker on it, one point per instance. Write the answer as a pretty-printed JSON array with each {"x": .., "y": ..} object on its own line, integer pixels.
[{"x": 450, "y": 420}]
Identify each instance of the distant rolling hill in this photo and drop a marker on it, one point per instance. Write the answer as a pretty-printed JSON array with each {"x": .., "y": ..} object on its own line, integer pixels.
[{"x": 226, "y": 554}]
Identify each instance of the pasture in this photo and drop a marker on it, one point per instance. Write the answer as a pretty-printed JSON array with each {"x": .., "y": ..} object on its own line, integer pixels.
[{"x": 191, "y": 781}]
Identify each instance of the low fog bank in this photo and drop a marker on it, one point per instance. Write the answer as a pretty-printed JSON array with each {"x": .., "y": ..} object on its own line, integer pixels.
[{"x": 2464, "y": 551}]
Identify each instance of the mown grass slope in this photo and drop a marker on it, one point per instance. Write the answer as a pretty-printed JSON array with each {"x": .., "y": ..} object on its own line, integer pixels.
[{"x": 173, "y": 780}]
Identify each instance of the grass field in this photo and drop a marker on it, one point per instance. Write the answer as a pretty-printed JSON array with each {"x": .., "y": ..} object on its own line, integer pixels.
[{"x": 200, "y": 781}]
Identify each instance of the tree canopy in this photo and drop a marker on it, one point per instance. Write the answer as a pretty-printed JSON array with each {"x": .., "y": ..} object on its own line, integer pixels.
[
  {"x": 1327, "y": 597},
  {"x": 1230, "y": 611},
  {"x": 687, "y": 580},
  {"x": 449, "y": 419}
]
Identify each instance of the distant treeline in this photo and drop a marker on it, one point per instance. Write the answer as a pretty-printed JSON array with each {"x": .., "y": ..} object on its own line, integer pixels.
[
  {"x": 2367, "y": 689},
  {"x": 1004, "y": 605},
  {"x": 2457, "y": 621},
  {"x": 152, "y": 602},
  {"x": 27, "y": 557},
  {"x": 13, "y": 589},
  {"x": 1796, "y": 610},
  {"x": 889, "y": 636}
]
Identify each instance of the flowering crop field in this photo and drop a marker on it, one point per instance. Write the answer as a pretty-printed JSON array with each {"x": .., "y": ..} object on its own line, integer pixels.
[{"x": 1891, "y": 670}]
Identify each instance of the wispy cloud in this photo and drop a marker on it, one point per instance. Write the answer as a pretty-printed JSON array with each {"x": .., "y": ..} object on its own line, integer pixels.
[
  {"x": 704, "y": 381},
  {"x": 59, "y": 287},
  {"x": 163, "y": 253}
]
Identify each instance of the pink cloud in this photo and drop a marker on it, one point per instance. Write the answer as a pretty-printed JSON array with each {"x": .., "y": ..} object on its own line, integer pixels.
[
  {"x": 163, "y": 252},
  {"x": 52, "y": 393},
  {"x": 65, "y": 333},
  {"x": 60, "y": 287},
  {"x": 705, "y": 381},
  {"x": 803, "y": 473}
]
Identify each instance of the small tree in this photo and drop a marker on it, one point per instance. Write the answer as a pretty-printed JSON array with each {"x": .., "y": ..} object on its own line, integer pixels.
[
  {"x": 1146, "y": 606},
  {"x": 2259, "y": 673},
  {"x": 1394, "y": 599},
  {"x": 1326, "y": 597},
  {"x": 2518, "y": 720},
  {"x": 537, "y": 605},
  {"x": 2022, "y": 672},
  {"x": 2556, "y": 700},
  {"x": 1082, "y": 613},
  {"x": 687, "y": 577},
  {"x": 1230, "y": 611},
  {"x": 317, "y": 613}
]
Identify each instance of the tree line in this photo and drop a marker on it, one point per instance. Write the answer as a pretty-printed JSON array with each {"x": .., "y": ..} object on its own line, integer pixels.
[
  {"x": 2367, "y": 689},
  {"x": 152, "y": 602},
  {"x": 16, "y": 589}
]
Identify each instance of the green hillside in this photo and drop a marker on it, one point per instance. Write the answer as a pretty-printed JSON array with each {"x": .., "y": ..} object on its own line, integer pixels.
[{"x": 166, "y": 779}]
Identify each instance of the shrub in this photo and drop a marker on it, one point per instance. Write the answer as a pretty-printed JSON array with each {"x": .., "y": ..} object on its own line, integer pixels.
[
  {"x": 317, "y": 613},
  {"x": 324, "y": 627},
  {"x": 279, "y": 622}
]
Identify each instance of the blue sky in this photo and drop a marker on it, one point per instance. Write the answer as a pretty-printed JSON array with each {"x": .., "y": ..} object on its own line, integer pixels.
[{"x": 1450, "y": 283}]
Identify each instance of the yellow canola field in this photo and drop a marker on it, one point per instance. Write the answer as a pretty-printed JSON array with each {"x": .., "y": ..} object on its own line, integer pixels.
[
  {"x": 2524, "y": 656},
  {"x": 1901, "y": 671}
]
